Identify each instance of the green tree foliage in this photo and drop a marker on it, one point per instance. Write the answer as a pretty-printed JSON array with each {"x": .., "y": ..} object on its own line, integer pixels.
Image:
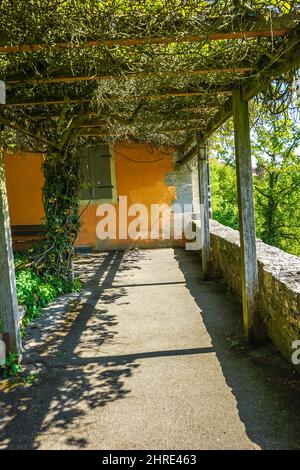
[
  {"x": 62, "y": 170},
  {"x": 275, "y": 140},
  {"x": 224, "y": 193},
  {"x": 277, "y": 186}
]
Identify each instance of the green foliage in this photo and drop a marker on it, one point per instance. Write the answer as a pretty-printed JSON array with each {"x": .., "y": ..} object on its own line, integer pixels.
[
  {"x": 43, "y": 24},
  {"x": 35, "y": 292},
  {"x": 224, "y": 194},
  {"x": 275, "y": 137},
  {"x": 12, "y": 367},
  {"x": 29, "y": 379},
  {"x": 62, "y": 171},
  {"x": 277, "y": 188}
]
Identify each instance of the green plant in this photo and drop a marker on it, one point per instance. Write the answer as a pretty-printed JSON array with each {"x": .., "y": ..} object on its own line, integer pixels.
[
  {"x": 12, "y": 367},
  {"x": 35, "y": 292},
  {"x": 276, "y": 176},
  {"x": 29, "y": 379},
  {"x": 224, "y": 194}
]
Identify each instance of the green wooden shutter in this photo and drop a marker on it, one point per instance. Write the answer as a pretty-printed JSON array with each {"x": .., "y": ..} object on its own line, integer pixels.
[{"x": 97, "y": 174}]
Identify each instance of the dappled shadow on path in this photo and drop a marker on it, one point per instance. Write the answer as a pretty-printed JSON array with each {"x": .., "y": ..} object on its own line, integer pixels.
[
  {"x": 70, "y": 386},
  {"x": 264, "y": 385}
]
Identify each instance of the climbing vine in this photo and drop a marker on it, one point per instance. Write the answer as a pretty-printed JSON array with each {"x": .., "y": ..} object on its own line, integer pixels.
[
  {"x": 61, "y": 191},
  {"x": 52, "y": 55}
]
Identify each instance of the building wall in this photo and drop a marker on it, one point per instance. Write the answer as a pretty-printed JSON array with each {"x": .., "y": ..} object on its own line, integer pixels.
[
  {"x": 134, "y": 176},
  {"x": 24, "y": 181},
  {"x": 140, "y": 182}
]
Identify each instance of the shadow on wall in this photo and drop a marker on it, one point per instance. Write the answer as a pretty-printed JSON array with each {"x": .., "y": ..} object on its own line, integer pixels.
[
  {"x": 264, "y": 385},
  {"x": 70, "y": 385}
]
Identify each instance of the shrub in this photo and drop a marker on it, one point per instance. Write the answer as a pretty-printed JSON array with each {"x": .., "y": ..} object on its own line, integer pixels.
[{"x": 35, "y": 292}]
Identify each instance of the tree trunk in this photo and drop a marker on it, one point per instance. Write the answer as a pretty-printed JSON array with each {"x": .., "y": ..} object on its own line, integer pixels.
[{"x": 62, "y": 172}]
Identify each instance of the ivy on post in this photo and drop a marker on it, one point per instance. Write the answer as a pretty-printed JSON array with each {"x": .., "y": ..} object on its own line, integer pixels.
[
  {"x": 204, "y": 207},
  {"x": 8, "y": 292},
  {"x": 249, "y": 269},
  {"x": 63, "y": 177}
]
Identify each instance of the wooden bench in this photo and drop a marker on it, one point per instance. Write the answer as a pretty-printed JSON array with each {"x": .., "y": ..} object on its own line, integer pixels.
[
  {"x": 24, "y": 236},
  {"x": 27, "y": 230}
]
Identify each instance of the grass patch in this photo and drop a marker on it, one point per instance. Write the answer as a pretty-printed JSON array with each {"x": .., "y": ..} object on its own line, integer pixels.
[{"x": 34, "y": 293}]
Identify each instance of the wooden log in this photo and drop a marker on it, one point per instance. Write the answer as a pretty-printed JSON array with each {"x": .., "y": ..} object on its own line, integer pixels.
[
  {"x": 54, "y": 102},
  {"x": 8, "y": 294},
  {"x": 209, "y": 191},
  {"x": 204, "y": 207},
  {"x": 283, "y": 62},
  {"x": 280, "y": 27},
  {"x": 126, "y": 75},
  {"x": 6, "y": 122},
  {"x": 249, "y": 269}
]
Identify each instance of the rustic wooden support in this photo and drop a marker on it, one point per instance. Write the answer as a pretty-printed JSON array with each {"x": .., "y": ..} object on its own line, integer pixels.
[
  {"x": 209, "y": 190},
  {"x": 181, "y": 121},
  {"x": 86, "y": 78},
  {"x": 106, "y": 132},
  {"x": 280, "y": 27},
  {"x": 8, "y": 295},
  {"x": 204, "y": 207},
  {"x": 6, "y": 122},
  {"x": 249, "y": 269},
  {"x": 283, "y": 62},
  {"x": 54, "y": 102}
]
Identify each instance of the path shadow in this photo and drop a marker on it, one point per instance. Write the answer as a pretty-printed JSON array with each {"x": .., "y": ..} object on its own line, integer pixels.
[
  {"x": 266, "y": 389},
  {"x": 69, "y": 386}
]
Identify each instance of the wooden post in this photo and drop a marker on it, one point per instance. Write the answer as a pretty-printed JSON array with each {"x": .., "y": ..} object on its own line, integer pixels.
[
  {"x": 8, "y": 294},
  {"x": 204, "y": 207},
  {"x": 249, "y": 271},
  {"x": 209, "y": 190}
]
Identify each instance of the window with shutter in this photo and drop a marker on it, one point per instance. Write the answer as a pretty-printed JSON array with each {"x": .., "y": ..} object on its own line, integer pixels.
[{"x": 98, "y": 174}]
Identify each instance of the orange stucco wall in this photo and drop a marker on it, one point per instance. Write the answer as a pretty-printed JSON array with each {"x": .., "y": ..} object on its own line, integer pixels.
[
  {"x": 141, "y": 183},
  {"x": 24, "y": 181}
]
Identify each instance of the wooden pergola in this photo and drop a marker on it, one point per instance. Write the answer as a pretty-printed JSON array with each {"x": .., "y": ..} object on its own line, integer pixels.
[{"x": 199, "y": 109}]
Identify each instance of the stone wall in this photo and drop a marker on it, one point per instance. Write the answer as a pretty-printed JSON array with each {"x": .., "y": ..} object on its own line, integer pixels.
[{"x": 279, "y": 281}]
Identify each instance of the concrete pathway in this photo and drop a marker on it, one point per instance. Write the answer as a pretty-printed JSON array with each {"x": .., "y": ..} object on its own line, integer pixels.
[{"x": 149, "y": 357}]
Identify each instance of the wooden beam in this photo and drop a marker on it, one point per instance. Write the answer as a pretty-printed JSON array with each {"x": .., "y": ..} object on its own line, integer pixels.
[
  {"x": 224, "y": 113},
  {"x": 150, "y": 123},
  {"x": 8, "y": 293},
  {"x": 249, "y": 268},
  {"x": 163, "y": 96},
  {"x": 279, "y": 27},
  {"x": 208, "y": 92},
  {"x": 39, "y": 102},
  {"x": 204, "y": 207},
  {"x": 188, "y": 155},
  {"x": 6, "y": 122},
  {"x": 282, "y": 62},
  {"x": 193, "y": 112},
  {"x": 155, "y": 131},
  {"x": 128, "y": 75},
  {"x": 264, "y": 33},
  {"x": 192, "y": 117}
]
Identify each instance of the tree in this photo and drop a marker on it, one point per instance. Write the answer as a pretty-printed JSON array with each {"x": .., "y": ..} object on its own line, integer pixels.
[
  {"x": 275, "y": 138},
  {"x": 224, "y": 193},
  {"x": 277, "y": 185},
  {"x": 62, "y": 170}
]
